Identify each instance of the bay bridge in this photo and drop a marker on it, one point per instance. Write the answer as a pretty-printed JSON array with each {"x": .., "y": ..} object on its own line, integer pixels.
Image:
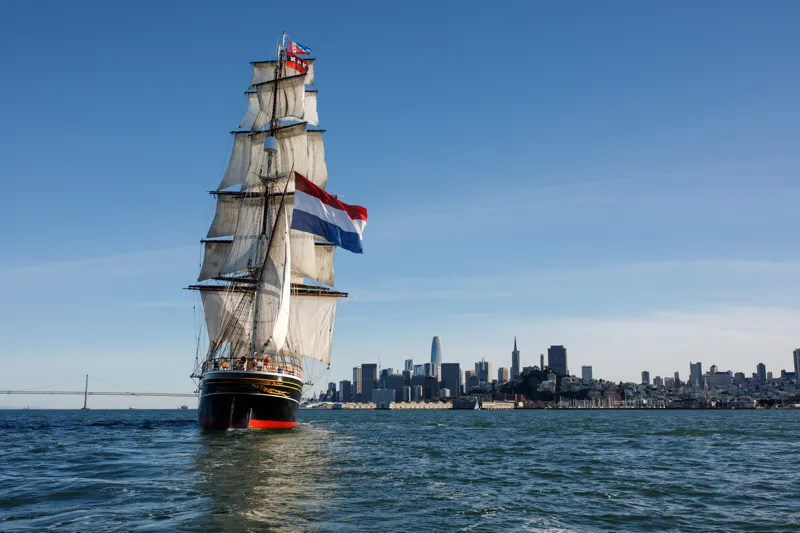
[{"x": 86, "y": 393}]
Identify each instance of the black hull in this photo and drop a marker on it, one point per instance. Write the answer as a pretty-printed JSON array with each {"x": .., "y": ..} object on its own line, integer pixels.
[{"x": 244, "y": 400}]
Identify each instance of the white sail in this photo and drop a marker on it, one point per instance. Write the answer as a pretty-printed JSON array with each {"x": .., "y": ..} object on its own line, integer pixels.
[
  {"x": 213, "y": 258},
  {"x": 273, "y": 292},
  {"x": 310, "y": 109},
  {"x": 304, "y": 259},
  {"x": 228, "y": 316},
  {"x": 292, "y": 154},
  {"x": 252, "y": 111},
  {"x": 224, "y": 223},
  {"x": 317, "y": 171},
  {"x": 311, "y": 326},
  {"x": 291, "y": 94},
  {"x": 324, "y": 263},
  {"x": 265, "y": 71},
  {"x": 239, "y": 162},
  {"x": 247, "y": 250}
]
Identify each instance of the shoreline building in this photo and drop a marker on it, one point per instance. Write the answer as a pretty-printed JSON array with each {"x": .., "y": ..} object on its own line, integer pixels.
[
  {"x": 557, "y": 359},
  {"x": 645, "y": 377},
  {"x": 586, "y": 373},
  {"x": 515, "y": 366},
  {"x": 796, "y": 357}
]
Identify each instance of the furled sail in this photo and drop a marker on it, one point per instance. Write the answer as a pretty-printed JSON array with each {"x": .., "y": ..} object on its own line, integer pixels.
[
  {"x": 213, "y": 258},
  {"x": 310, "y": 108},
  {"x": 273, "y": 291},
  {"x": 290, "y": 97},
  {"x": 311, "y": 326},
  {"x": 265, "y": 71}
]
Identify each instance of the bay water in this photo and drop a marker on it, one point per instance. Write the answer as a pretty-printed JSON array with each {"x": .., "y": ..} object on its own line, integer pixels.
[{"x": 524, "y": 470}]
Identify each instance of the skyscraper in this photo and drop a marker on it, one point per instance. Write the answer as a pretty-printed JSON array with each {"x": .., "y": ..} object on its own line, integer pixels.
[
  {"x": 557, "y": 359},
  {"x": 369, "y": 379},
  {"x": 436, "y": 351},
  {"x": 695, "y": 374},
  {"x": 677, "y": 378},
  {"x": 483, "y": 369},
  {"x": 345, "y": 391},
  {"x": 515, "y": 367},
  {"x": 356, "y": 384},
  {"x": 796, "y": 357},
  {"x": 541, "y": 361},
  {"x": 451, "y": 378},
  {"x": 645, "y": 377},
  {"x": 586, "y": 373},
  {"x": 761, "y": 371},
  {"x": 409, "y": 364},
  {"x": 430, "y": 369},
  {"x": 502, "y": 374}
]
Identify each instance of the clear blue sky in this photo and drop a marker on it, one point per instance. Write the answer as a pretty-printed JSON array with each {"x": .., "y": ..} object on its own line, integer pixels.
[{"x": 620, "y": 177}]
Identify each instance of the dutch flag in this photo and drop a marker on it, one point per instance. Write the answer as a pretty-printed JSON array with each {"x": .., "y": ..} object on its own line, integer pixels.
[{"x": 317, "y": 212}]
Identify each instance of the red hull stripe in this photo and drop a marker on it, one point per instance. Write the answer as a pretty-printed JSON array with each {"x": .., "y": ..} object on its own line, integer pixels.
[{"x": 270, "y": 424}]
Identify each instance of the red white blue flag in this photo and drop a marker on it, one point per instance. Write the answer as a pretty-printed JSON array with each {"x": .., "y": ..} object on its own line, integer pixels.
[
  {"x": 297, "y": 48},
  {"x": 319, "y": 213}
]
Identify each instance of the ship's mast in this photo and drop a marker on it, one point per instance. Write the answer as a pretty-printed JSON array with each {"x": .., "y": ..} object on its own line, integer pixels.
[{"x": 271, "y": 147}]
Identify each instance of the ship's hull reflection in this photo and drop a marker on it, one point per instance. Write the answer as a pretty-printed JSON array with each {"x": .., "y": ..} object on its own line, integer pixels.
[{"x": 264, "y": 481}]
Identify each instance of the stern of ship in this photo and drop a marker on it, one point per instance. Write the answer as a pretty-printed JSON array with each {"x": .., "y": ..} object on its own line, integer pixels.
[{"x": 231, "y": 399}]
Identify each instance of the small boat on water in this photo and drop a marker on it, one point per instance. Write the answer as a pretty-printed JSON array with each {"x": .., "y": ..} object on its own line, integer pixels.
[{"x": 184, "y": 407}]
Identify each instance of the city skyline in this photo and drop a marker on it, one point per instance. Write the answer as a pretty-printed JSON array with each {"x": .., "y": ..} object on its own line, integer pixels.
[{"x": 645, "y": 375}]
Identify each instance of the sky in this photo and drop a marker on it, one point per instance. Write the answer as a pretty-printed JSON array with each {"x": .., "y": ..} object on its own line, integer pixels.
[{"x": 618, "y": 177}]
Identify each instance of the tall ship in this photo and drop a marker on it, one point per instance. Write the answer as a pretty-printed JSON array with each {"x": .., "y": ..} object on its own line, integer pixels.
[{"x": 266, "y": 281}]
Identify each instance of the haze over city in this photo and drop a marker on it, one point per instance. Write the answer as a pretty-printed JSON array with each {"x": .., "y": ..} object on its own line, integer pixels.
[{"x": 624, "y": 186}]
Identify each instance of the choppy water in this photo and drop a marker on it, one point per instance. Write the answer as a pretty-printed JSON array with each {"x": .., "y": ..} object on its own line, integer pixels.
[{"x": 535, "y": 471}]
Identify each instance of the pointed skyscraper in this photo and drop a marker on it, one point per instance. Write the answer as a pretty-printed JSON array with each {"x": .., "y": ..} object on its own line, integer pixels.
[{"x": 515, "y": 368}]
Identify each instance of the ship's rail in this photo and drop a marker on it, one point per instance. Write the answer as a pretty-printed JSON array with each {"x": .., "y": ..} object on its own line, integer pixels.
[{"x": 255, "y": 365}]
